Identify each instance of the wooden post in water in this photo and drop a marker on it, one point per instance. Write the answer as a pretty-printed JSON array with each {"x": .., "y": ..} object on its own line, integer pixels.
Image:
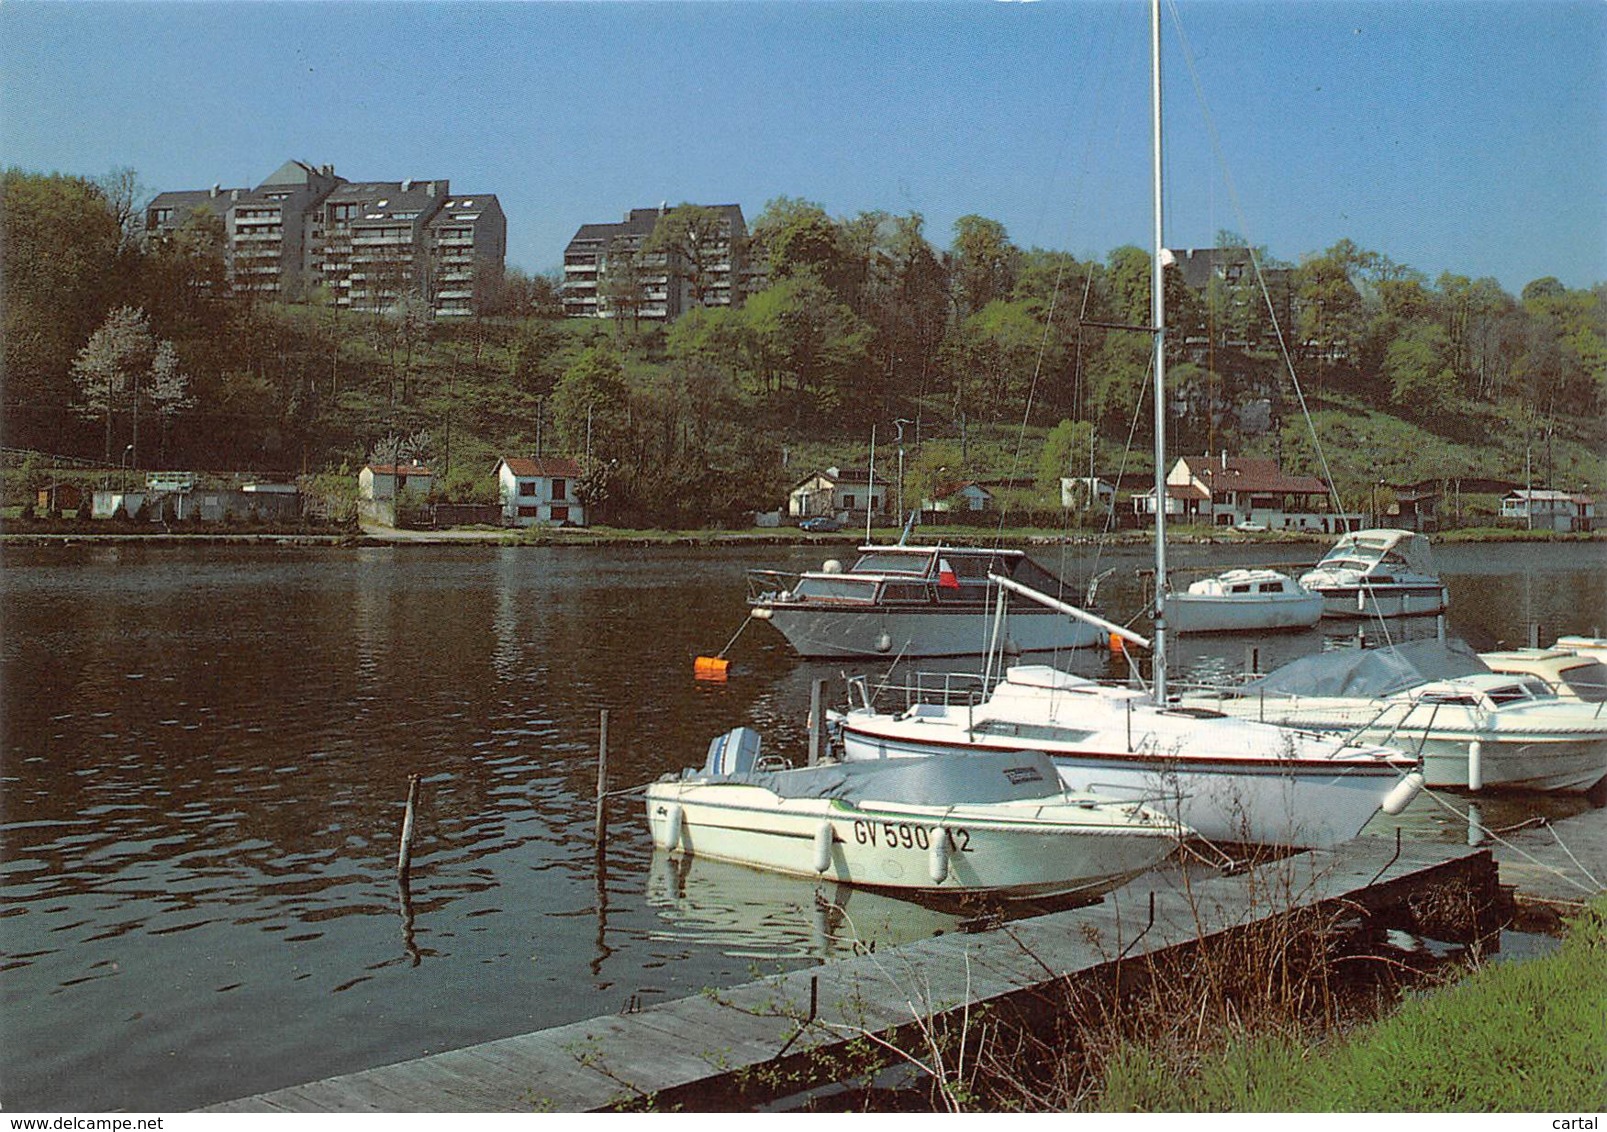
[
  {"x": 602, "y": 780},
  {"x": 817, "y": 722},
  {"x": 404, "y": 854}
]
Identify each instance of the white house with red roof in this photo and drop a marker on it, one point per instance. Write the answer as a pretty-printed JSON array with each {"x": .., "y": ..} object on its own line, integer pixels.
[
  {"x": 537, "y": 490},
  {"x": 837, "y": 491},
  {"x": 1226, "y": 491}
]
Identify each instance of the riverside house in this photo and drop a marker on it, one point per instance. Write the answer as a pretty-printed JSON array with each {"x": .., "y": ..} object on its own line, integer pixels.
[{"x": 539, "y": 490}]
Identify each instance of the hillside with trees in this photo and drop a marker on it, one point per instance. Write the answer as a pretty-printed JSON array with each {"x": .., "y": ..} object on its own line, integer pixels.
[{"x": 999, "y": 361}]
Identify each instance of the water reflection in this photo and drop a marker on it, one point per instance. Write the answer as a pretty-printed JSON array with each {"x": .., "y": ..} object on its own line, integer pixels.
[{"x": 750, "y": 914}]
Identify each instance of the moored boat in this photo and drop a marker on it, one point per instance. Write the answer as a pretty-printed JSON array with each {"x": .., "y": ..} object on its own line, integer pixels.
[
  {"x": 1244, "y": 601},
  {"x": 1002, "y": 827},
  {"x": 1584, "y": 646},
  {"x": 1378, "y": 573},
  {"x": 1473, "y": 728},
  {"x": 914, "y": 601},
  {"x": 1572, "y": 675},
  {"x": 1230, "y": 780}
]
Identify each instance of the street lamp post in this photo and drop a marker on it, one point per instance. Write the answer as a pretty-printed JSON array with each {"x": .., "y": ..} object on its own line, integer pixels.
[
  {"x": 899, "y": 424},
  {"x": 123, "y": 465}
]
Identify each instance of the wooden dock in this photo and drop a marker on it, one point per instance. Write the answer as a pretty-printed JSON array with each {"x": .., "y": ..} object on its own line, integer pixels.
[{"x": 713, "y": 1052}]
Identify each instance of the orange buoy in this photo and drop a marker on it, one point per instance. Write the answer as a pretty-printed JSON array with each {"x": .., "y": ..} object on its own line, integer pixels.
[
  {"x": 710, "y": 668},
  {"x": 1117, "y": 644}
]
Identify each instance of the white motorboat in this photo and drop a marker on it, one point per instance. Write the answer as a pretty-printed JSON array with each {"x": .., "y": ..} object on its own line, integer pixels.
[
  {"x": 1378, "y": 573},
  {"x": 1572, "y": 675},
  {"x": 1584, "y": 646},
  {"x": 1001, "y": 827},
  {"x": 1227, "y": 779},
  {"x": 913, "y": 601},
  {"x": 1242, "y": 601},
  {"x": 1473, "y": 727}
]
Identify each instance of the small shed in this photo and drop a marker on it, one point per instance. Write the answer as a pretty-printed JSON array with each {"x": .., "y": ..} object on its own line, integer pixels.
[
  {"x": 60, "y": 497},
  {"x": 386, "y": 481}
]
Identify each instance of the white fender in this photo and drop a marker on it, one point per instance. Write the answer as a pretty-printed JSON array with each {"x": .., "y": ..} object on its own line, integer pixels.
[
  {"x": 824, "y": 838},
  {"x": 937, "y": 858},
  {"x": 1403, "y": 793},
  {"x": 1475, "y": 766},
  {"x": 674, "y": 821}
]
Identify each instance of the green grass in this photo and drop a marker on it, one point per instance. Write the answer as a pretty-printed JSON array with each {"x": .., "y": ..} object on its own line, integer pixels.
[{"x": 1526, "y": 1036}]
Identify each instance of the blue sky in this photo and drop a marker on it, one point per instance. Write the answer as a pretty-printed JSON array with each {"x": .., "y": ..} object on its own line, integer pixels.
[{"x": 1459, "y": 136}]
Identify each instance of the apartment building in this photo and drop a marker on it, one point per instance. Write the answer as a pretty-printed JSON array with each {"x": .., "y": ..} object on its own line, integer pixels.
[
  {"x": 608, "y": 274},
  {"x": 368, "y": 243}
]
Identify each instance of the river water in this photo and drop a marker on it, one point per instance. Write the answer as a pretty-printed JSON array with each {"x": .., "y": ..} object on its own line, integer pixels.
[{"x": 207, "y": 753}]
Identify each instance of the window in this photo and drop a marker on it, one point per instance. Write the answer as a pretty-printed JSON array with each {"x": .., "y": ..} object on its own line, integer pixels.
[
  {"x": 560, "y": 514},
  {"x": 529, "y": 512},
  {"x": 527, "y": 487},
  {"x": 848, "y": 502},
  {"x": 560, "y": 489}
]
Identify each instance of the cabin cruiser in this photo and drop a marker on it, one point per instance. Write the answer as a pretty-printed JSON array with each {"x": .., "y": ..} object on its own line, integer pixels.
[
  {"x": 1584, "y": 646},
  {"x": 914, "y": 601},
  {"x": 1572, "y": 675},
  {"x": 1378, "y": 573},
  {"x": 1002, "y": 826},
  {"x": 1238, "y": 601},
  {"x": 1472, "y": 727}
]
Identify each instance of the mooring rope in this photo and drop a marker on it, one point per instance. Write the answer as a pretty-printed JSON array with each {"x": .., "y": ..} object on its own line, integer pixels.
[{"x": 1591, "y": 889}]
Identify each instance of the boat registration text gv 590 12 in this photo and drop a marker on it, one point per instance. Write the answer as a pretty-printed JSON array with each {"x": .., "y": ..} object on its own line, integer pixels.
[{"x": 904, "y": 835}]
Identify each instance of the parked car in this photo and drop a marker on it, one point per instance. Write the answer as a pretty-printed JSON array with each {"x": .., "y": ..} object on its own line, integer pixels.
[{"x": 821, "y": 524}]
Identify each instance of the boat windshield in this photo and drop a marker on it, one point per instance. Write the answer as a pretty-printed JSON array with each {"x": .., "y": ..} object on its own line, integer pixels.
[
  {"x": 892, "y": 562},
  {"x": 1527, "y": 689},
  {"x": 835, "y": 587}
]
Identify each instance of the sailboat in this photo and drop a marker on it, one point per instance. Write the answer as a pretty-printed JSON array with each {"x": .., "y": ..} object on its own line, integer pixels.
[{"x": 1228, "y": 779}]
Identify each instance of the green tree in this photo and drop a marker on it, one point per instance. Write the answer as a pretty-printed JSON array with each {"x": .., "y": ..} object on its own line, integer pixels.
[
  {"x": 1067, "y": 451},
  {"x": 1417, "y": 366},
  {"x": 694, "y": 240},
  {"x": 810, "y": 340},
  {"x": 61, "y": 274},
  {"x": 591, "y": 406},
  {"x": 983, "y": 263},
  {"x": 794, "y": 236}
]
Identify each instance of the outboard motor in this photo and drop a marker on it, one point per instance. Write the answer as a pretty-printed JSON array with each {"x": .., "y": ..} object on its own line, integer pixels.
[{"x": 735, "y": 752}]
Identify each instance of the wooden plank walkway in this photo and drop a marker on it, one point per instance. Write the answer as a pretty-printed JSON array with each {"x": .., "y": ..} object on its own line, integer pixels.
[{"x": 694, "y": 1052}]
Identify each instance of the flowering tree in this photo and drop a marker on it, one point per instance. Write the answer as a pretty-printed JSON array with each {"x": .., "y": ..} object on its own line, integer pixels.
[{"x": 108, "y": 370}]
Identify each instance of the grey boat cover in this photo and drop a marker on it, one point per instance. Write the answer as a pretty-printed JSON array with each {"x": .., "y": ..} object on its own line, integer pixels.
[
  {"x": 1370, "y": 672},
  {"x": 937, "y": 780}
]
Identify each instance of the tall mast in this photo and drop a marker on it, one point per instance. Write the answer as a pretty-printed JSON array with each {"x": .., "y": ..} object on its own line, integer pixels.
[{"x": 1158, "y": 322}]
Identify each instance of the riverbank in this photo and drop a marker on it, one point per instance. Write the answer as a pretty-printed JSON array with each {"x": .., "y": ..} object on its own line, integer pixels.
[{"x": 370, "y": 534}]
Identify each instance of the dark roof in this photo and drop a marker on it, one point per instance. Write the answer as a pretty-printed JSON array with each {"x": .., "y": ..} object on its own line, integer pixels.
[
  {"x": 1248, "y": 473},
  {"x": 641, "y": 221}
]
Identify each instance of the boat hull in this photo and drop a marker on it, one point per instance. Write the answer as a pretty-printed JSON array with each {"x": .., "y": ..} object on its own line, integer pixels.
[
  {"x": 892, "y": 847},
  {"x": 1362, "y": 601},
  {"x": 1314, "y": 805},
  {"x": 817, "y": 632},
  {"x": 1511, "y": 759},
  {"x": 1210, "y": 613}
]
